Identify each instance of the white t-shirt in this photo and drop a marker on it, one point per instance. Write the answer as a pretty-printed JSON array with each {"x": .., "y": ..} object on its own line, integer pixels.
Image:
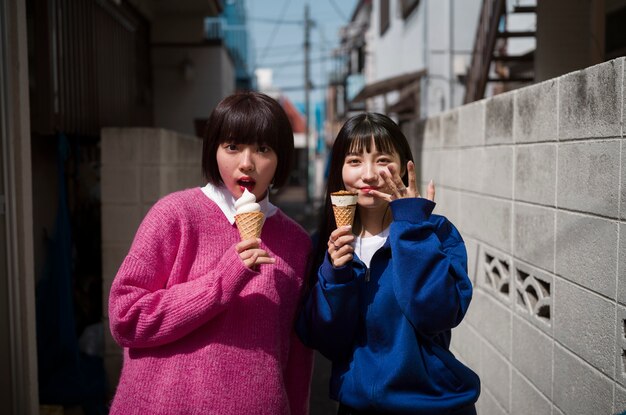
[{"x": 365, "y": 248}]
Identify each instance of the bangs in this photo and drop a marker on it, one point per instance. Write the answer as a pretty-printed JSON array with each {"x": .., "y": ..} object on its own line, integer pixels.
[
  {"x": 249, "y": 124},
  {"x": 361, "y": 140}
]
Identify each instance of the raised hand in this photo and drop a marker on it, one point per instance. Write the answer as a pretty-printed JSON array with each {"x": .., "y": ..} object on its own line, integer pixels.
[
  {"x": 397, "y": 189},
  {"x": 340, "y": 247},
  {"x": 252, "y": 255}
]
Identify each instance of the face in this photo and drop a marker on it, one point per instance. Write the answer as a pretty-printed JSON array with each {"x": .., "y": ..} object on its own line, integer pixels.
[
  {"x": 246, "y": 166},
  {"x": 361, "y": 173}
]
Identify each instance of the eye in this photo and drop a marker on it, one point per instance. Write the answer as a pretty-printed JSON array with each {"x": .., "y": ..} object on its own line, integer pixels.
[
  {"x": 352, "y": 161},
  {"x": 230, "y": 147},
  {"x": 384, "y": 160},
  {"x": 264, "y": 149}
]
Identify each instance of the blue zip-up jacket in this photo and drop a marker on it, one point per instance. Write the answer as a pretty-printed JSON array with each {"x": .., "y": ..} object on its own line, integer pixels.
[{"x": 387, "y": 329}]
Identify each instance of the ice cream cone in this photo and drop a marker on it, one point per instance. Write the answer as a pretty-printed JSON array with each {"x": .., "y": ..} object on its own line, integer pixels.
[
  {"x": 249, "y": 224},
  {"x": 344, "y": 206},
  {"x": 344, "y": 215}
]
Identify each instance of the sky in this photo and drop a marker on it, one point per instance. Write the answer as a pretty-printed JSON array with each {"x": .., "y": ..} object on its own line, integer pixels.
[{"x": 277, "y": 33}]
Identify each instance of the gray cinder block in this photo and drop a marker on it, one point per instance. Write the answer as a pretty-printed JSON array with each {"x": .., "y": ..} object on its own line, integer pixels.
[
  {"x": 432, "y": 133},
  {"x": 496, "y": 375},
  {"x": 450, "y": 170},
  {"x": 588, "y": 177},
  {"x": 532, "y": 355},
  {"x": 120, "y": 183},
  {"x": 120, "y": 222},
  {"x": 535, "y": 113},
  {"x": 623, "y": 181},
  {"x": 579, "y": 389},
  {"x": 472, "y": 124},
  {"x": 467, "y": 344},
  {"x": 450, "y": 128},
  {"x": 621, "y": 270},
  {"x": 590, "y": 102},
  {"x": 497, "y": 172},
  {"x": 430, "y": 165},
  {"x": 120, "y": 146},
  {"x": 487, "y": 219},
  {"x": 620, "y": 345},
  {"x": 488, "y": 405},
  {"x": 535, "y": 173},
  {"x": 584, "y": 322},
  {"x": 447, "y": 202},
  {"x": 533, "y": 234},
  {"x": 499, "y": 119},
  {"x": 620, "y": 400},
  {"x": 525, "y": 399},
  {"x": 471, "y": 166},
  {"x": 493, "y": 319},
  {"x": 586, "y": 251}
]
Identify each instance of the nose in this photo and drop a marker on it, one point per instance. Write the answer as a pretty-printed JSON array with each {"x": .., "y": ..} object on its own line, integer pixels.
[
  {"x": 246, "y": 163},
  {"x": 370, "y": 174}
]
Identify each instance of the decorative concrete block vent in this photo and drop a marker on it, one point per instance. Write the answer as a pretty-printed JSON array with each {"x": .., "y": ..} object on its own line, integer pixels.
[
  {"x": 496, "y": 274},
  {"x": 532, "y": 288},
  {"x": 533, "y": 294}
]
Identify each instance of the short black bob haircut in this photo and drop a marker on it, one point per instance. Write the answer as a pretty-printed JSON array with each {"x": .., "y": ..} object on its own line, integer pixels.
[{"x": 248, "y": 117}]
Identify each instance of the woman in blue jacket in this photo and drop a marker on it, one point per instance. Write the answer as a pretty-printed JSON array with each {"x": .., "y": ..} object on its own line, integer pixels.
[{"x": 389, "y": 289}]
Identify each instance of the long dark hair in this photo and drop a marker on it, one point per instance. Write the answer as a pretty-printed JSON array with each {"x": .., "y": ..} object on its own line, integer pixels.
[{"x": 356, "y": 135}]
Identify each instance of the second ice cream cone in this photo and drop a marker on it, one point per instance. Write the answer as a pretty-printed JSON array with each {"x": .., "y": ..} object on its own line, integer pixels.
[
  {"x": 344, "y": 215},
  {"x": 344, "y": 206}
]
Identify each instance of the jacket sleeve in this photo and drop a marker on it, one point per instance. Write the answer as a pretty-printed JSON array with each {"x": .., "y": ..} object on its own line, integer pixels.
[
  {"x": 329, "y": 318},
  {"x": 298, "y": 376},
  {"x": 145, "y": 308},
  {"x": 429, "y": 267}
]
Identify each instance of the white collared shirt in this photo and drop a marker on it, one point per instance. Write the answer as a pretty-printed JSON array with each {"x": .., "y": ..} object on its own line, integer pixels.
[{"x": 226, "y": 202}]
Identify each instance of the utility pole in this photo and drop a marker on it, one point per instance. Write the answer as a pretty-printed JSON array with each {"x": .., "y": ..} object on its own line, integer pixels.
[{"x": 307, "y": 108}]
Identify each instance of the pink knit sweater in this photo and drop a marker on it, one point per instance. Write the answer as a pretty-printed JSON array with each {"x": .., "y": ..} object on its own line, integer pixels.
[{"x": 202, "y": 333}]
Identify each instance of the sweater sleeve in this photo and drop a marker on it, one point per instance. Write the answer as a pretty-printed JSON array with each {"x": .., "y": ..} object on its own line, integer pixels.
[
  {"x": 145, "y": 308},
  {"x": 298, "y": 376},
  {"x": 329, "y": 319},
  {"x": 429, "y": 267}
]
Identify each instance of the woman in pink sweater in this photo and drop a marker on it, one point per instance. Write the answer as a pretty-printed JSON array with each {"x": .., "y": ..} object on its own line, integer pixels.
[{"x": 206, "y": 320}]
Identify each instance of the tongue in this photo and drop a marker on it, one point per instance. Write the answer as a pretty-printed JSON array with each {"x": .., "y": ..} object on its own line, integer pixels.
[{"x": 246, "y": 185}]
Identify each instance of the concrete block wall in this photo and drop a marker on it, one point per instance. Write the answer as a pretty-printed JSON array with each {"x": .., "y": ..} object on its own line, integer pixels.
[
  {"x": 139, "y": 166},
  {"x": 535, "y": 179}
]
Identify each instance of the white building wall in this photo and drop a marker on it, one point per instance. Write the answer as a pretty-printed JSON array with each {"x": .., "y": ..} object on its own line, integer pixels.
[
  {"x": 177, "y": 100},
  {"x": 438, "y": 36}
]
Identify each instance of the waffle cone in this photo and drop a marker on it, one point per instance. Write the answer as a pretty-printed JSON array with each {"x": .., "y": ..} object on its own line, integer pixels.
[
  {"x": 249, "y": 224},
  {"x": 344, "y": 215}
]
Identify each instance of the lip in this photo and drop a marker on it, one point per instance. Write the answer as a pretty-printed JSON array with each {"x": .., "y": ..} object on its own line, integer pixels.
[{"x": 366, "y": 189}]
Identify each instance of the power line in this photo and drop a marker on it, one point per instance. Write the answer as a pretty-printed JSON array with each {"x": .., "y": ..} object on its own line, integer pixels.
[
  {"x": 338, "y": 10},
  {"x": 267, "y": 20},
  {"x": 277, "y": 25}
]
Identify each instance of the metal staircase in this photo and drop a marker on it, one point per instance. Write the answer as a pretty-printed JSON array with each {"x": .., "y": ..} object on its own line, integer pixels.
[{"x": 490, "y": 60}]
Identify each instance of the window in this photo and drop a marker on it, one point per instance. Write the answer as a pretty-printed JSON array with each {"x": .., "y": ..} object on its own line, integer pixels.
[
  {"x": 408, "y": 6},
  {"x": 384, "y": 16}
]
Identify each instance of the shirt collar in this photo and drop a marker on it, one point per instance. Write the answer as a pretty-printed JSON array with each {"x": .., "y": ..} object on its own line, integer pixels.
[{"x": 226, "y": 202}]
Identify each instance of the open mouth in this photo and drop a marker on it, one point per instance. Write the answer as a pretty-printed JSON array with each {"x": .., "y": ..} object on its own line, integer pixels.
[{"x": 246, "y": 183}]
